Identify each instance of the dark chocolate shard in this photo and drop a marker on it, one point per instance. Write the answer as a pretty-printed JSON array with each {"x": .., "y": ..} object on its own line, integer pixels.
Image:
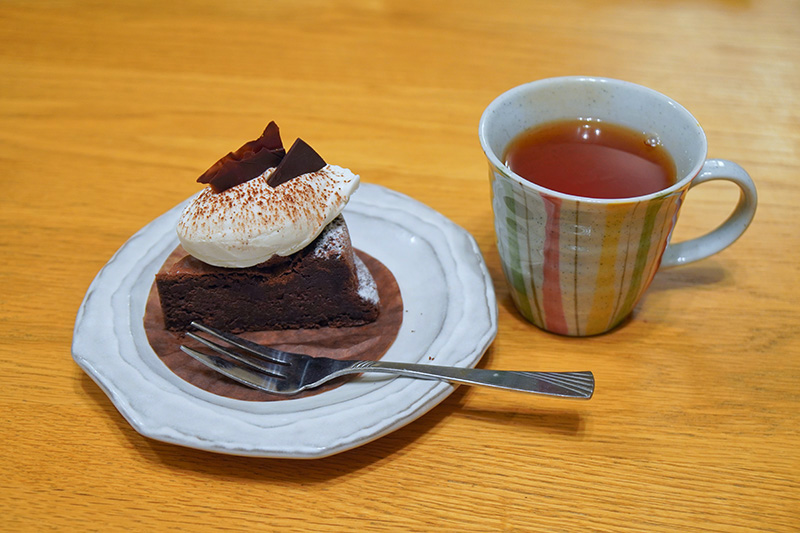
[
  {"x": 271, "y": 138},
  {"x": 246, "y": 163},
  {"x": 300, "y": 159}
]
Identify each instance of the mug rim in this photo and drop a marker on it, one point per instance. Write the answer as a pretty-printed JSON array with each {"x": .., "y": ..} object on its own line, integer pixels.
[{"x": 507, "y": 172}]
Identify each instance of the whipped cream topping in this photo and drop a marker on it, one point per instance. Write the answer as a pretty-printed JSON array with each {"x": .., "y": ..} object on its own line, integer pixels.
[{"x": 251, "y": 222}]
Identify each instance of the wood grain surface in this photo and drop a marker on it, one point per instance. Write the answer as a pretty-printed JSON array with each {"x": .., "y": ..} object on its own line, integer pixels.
[{"x": 110, "y": 110}]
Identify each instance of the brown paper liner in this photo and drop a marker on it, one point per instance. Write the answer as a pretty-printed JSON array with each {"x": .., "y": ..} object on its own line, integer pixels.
[{"x": 367, "y": 342}]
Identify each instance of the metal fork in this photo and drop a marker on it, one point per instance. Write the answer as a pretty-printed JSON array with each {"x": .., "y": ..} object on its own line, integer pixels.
[{"x": 279, "y": 372}]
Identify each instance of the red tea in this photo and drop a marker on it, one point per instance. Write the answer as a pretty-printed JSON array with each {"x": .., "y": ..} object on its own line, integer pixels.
[{"x": 591, "y": 158}]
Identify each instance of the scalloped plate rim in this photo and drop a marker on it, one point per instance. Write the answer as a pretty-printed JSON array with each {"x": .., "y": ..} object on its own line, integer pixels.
[{"x": 418, "y": 396}]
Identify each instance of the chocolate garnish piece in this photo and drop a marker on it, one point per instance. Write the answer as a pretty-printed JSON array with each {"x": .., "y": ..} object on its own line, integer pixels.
[
  {"x": 300, "y": 159},
  {"x": 246, "y": 163}
]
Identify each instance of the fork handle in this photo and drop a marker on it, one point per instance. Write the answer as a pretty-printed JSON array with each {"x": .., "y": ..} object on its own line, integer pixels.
[{"x": 564, "y": 384}]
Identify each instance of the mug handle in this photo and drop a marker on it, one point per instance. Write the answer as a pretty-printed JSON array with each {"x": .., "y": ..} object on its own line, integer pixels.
[{"x": 723, "y": 236}]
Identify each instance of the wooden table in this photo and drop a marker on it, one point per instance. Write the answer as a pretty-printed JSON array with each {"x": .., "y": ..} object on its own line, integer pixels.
[{"x": 110, "y": 112}]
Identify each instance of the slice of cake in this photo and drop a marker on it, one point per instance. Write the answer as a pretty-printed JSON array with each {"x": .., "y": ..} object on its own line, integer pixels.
[
  {"x": 323, "y": 285},
  {"x": 268, "y": 247}
]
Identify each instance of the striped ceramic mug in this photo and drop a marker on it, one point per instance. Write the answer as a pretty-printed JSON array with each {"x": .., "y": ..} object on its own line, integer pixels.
[{"x": 578, "y": 266}]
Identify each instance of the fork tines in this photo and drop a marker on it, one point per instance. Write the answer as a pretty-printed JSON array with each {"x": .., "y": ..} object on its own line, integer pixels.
[{"x": 262, "y": 363}]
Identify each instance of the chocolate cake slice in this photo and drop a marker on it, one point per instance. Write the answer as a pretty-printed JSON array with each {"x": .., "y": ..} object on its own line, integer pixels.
[{"x": 323, "y": 285}]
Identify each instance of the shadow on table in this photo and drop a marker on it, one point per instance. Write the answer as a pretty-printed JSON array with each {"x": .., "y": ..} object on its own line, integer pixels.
[
  {"x": 706, "y": 273},
  {"x": 552, "y": 421}
]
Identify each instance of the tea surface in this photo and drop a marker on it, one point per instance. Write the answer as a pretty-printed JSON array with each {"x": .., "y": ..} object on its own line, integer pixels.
[{"x": 591, "y": 158}]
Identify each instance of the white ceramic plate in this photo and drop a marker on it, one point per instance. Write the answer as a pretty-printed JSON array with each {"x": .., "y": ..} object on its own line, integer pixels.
[{"x": 450, "y": 318}]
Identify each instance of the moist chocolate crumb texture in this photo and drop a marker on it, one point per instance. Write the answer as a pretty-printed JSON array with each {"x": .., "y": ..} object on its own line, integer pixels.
[{"x": 267, "y": 246}]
